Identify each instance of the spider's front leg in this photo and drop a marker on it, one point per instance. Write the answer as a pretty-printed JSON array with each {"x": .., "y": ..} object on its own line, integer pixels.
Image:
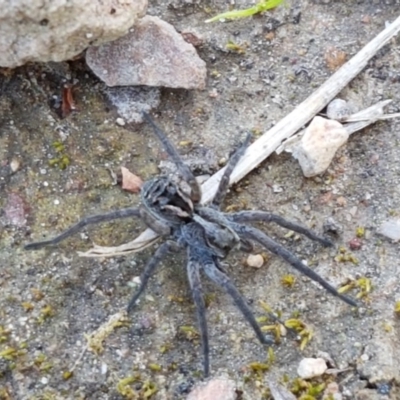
[
  {"x": 94, "y": 219},
  {"x": 224, "y": 182},
  {"x": 182, "y": 167},
  {"x": 158, "y": 256}
]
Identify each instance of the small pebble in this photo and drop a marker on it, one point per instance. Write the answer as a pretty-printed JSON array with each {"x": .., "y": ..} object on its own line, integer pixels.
[
  {"x": 255, "y": 260},
  {"x": 15, "y": 165},
  {"x": 56, "y": 202},
  {"x": 222, "y": 161},
  {"x": 311, "y": 367},
  {"x": 332, "y": 391},
  {"x": 104, "y": 368},
  {"x": 355, "y": 244},
  {"x": 120, "y": 121}
]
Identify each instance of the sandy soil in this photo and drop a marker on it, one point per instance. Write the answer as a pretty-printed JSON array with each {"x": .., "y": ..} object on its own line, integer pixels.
[{"x": 52, "y": 298}]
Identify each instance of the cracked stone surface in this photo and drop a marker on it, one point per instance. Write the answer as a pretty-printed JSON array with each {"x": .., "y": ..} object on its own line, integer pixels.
[{"x": 58, "y": 30}]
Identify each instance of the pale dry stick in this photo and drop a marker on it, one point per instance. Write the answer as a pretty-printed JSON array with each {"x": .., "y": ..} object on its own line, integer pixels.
[
  {"x": 286, "y": 127},
  {"x": 303, "y": 113}
]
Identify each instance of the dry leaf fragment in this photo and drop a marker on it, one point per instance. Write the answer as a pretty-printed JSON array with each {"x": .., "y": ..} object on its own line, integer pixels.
[
  {"x": 334, "y": 58},
  {"x": 193, "y": 38},
  {"x": 68, "y": 103},
  {"x": 130, "y": 182}
]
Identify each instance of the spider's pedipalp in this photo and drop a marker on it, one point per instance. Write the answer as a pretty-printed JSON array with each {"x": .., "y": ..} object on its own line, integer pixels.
[
  {"x": 224, "y": 182},
  {"x": 193, "y": 272},
  {"x": 93, "y": 219},
  {"x": 222, "y": 280},
  {"x": 158, "y": 256},
  {"x": 264, "y": 216},
  {"x": 252, "y": 233},
  {"x": 172, "y": 152}
]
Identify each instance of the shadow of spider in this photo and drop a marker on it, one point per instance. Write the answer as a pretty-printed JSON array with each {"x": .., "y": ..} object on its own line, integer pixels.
[{"x": 206, "y": 234}]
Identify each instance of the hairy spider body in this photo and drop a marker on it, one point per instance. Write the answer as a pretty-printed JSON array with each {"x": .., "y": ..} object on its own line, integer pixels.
[{"x": 207, "y": 234}]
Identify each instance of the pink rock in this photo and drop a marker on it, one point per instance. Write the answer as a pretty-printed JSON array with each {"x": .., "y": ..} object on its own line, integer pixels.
[
  {"x": 15, "y": 210},
  {"x": 152, "y": 54},
  {"x": 217, "y": 388}
]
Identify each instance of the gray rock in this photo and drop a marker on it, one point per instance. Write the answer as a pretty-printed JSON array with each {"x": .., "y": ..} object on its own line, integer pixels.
[
  {"x": 391, "y": 229},
  {"x": 151, "y": 54},
  {"x": 338, "y": 110},
  {"x": 57, "y": 30},
  {"x": 383, "y": 362},
  {"x": 369, "y": 394},
  {"x": 132, "y": 101},
  {"x": 279, "y": 392}
]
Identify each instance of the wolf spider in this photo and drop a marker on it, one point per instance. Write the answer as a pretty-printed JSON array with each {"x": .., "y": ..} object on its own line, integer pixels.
[{"x": 173, "y": 210}]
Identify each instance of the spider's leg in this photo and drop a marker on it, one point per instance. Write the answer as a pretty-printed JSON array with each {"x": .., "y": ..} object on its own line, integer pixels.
[
  {"x": 224, "y": 182},
  {"x": 222, "y": 280},
  {"x": 277, "y": 249},
  {"x": 93, "y": 219},
  {"x": 182, "y": 167},
  {"x": 263, "y": 216},
  {"x": 198, "y": 298},
  {"x": 149, "y": 269}
]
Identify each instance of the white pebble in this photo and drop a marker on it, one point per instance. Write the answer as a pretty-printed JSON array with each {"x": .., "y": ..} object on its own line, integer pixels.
[
  {"x": 311, "y": 367},
  {"x": 103, "y": 368},
  {"x": 255, "y": 260},
  {"x": 318, "y": 146},
  {"x": 137, "y": 280},
  {"x": 15, "y": 165},
  {"x": 120, "y": 121},
  {"x": 56, "y": 202}
]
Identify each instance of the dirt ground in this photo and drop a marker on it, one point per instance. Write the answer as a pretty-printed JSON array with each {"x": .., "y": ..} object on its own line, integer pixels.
[{"x": 52, "y": 299}]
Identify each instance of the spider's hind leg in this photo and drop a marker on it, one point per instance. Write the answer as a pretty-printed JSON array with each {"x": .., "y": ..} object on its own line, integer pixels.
[
  {"x": 198, "y": 298},
  {"x": 94, "y": 219},
  {"x": 222, "y": 280},
  {"x": 254, "y": 234},
  {"x": 224, "y": 182}
]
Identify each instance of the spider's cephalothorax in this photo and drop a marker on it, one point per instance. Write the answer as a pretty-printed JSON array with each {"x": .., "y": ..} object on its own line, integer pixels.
[{"x": 206, "y": 234}]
